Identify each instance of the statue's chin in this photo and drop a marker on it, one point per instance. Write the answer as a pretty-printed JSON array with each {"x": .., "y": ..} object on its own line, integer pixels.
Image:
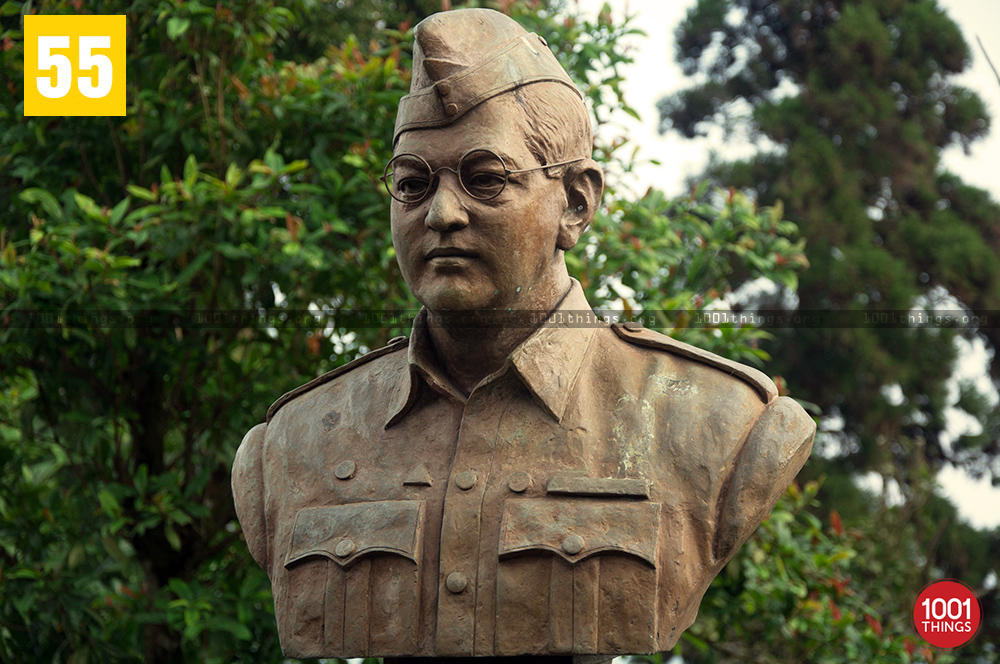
[{"x": 442, "y": 299}]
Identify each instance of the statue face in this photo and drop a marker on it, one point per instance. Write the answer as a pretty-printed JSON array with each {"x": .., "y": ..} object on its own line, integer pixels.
[{"x": 458, "y": 253}]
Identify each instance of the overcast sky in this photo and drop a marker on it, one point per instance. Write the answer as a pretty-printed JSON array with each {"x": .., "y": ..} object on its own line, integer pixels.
[{"x": 655, "y": 74}]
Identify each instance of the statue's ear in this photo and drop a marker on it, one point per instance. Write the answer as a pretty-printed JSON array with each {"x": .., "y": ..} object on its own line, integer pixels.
[{"x": 584, "y": 183}]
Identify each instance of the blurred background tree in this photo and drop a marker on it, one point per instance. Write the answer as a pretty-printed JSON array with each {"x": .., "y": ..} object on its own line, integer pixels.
[
  {"x": 244, "y": 178},
  {"x": 850, "y": 104}
]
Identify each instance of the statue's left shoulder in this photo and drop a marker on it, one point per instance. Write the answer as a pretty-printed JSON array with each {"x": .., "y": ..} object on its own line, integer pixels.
[
  {"x": 765, "y": 455},
  {"x": 772, "y": 455},
  {"x": 640, "y": 336}
]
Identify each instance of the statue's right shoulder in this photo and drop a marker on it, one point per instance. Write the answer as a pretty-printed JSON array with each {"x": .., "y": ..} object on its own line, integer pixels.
[
  {"x": 398, "y": 343},
  {"x": 248, "y": 492}
]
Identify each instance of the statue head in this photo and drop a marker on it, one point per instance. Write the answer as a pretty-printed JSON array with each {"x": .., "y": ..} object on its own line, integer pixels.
[{"x": 491, "y": 177}]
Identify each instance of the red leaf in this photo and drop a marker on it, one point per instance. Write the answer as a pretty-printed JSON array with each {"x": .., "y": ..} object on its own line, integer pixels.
[
  {"x": 835, "y": 611},
  {"x": 839, "y": 585},
  {"x": 313, "y": 344},
  {"x": 910, "y": 646},
  {"x": 837, "y": 523},
  {"x": 874, "y": 623},
  {"x": 292, "y": 226}
]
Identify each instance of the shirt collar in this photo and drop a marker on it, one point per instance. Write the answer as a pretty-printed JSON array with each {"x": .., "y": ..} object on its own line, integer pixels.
[{"x": 547, "y": 362}]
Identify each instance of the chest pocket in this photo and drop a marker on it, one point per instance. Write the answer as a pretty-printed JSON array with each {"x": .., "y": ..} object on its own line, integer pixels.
[
  {"x": 577, "y": 576},
  {"x": 352, "y": 579},
  {"x": 345, "y": 533}
]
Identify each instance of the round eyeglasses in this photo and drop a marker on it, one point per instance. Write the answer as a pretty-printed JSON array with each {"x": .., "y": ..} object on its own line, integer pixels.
[{"x": 481, "y": 172}]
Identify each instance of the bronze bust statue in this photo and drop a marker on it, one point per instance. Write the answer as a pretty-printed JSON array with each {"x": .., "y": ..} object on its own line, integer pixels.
[{"x": 562, "y": 491}]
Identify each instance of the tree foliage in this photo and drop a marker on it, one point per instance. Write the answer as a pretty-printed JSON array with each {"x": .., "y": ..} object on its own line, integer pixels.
[{"x": 854, "y": 103}]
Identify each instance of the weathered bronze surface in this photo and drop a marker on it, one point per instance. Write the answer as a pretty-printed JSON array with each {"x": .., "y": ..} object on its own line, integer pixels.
[{"x": 565, "y": 490}]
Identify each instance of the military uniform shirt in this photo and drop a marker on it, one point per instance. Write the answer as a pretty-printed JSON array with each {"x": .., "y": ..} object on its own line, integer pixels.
[{"x": 579, "y": 501}]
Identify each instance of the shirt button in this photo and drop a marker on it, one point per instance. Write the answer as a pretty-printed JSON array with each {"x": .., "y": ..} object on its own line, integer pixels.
[
  {"x": 518, "y": 482},
  {"x": 345, "y": 470},
  {"x": 344, "y": 548},
  {"x": 444, "y": 88},
  {"x": 451, "y": 109},
  {"x": 465, "y": 480},
  {"x": 456, "y": 582},
  {"x": 573, "y": 544}
]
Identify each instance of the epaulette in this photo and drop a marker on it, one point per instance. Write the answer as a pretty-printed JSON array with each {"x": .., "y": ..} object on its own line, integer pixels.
[
  {"x": 640, "y": 336},
  {"x": 393, "y": 345}
]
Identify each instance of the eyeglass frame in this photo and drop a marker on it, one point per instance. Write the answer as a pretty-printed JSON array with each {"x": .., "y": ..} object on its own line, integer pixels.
[{"x": 457, "y": 171}]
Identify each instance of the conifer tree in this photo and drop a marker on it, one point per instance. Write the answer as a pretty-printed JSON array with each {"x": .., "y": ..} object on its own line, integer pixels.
[{"x": 852, "y": 103}]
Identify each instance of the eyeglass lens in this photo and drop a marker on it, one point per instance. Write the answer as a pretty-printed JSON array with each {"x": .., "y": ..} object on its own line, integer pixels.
[{"x": 482, "y": 174}]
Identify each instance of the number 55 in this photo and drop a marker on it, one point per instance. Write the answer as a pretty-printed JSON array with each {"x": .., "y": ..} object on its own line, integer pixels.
[{"x": 57, "y": 87}]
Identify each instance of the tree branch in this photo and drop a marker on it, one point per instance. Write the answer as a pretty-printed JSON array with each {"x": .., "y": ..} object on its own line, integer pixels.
[
  {"x": 988, "y": 61},
  {"x": 122, "y": 175}
]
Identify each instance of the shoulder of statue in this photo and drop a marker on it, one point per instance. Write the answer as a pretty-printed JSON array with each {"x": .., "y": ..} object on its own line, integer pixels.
[
  {"x": 640, "y": 336},
  {"x": 398, "y": 343}
]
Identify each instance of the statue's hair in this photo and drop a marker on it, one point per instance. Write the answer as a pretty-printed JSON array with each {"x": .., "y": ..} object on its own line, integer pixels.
[{"x": 558, "y": 124}]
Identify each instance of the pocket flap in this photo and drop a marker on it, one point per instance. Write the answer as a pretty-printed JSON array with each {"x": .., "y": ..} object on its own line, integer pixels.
[
  {"x": 580, "y": 528},
  {"x": 344, "y": 533},
  {"x": 571, "y": 485}
]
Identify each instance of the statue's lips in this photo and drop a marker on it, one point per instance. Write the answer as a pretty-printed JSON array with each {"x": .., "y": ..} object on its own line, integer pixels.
[{"x": 448, "y": 254}]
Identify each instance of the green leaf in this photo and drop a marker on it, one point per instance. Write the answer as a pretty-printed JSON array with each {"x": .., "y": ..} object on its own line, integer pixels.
[
  {"x": 296, "y": 166},
  {"x": 177, "y": 26},
  {"x": 41, "y": 197},
  {"x": 118, "y": 212},
  {"x": 699, "y": 644},
  {"x": 239, "y": 630},
  {"x": 109, "y": 503},
  {"x": 119, "y": 262},
  {"x": 354, "y": 160},
  {"x": 231, "y": 252},
  {"x": 10, "y": 8},
  {"x": 789, "y": 279},
  {"x": 190, "y": 172},
  {"x": 233, "y": 176},
  {"x": 22, "y": 573},
  {"x": 172, "y": 537},
  {"x": 76, "y": 556},
  {"x": 140, "y": 192},
  {"x": 193, "y": 268},
  {"x": 87, "y": 205}
]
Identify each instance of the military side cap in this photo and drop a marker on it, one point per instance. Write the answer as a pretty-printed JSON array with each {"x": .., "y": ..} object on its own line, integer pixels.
[{"x": 463, "y": 57}]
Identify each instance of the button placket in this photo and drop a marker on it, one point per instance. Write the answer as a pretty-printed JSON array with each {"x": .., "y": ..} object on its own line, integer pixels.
[{"x": 460, "y": 529}]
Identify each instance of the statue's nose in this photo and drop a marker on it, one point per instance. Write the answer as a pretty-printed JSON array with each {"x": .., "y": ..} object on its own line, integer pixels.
[{"x": 446, "y": 211}]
